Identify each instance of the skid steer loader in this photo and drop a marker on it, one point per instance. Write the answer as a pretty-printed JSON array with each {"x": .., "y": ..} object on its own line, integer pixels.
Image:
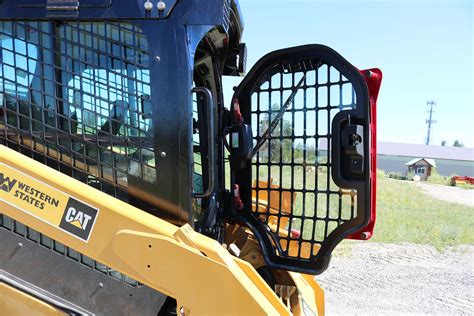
[{"x": 127, "y": 187}]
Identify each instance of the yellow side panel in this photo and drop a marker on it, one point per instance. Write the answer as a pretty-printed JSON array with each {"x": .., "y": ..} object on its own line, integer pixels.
[
  {"x": 194, "y": 269},
  {"x": 14, "y": 302},
  {"x": 311, "y": 294},
  {"x": 197, "y": 278}
]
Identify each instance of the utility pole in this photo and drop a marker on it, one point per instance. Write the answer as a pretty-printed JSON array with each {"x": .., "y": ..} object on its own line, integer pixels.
[{"x": 430, "y": 121}]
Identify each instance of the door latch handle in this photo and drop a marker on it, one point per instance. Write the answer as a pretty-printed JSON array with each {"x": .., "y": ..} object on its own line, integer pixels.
[{"x": 352, "y": 140}]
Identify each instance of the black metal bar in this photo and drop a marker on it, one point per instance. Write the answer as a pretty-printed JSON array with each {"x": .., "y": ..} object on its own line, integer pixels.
[{"x": 210, "y": 142}]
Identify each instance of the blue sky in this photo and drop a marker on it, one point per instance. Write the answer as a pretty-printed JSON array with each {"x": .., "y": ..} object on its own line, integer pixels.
[{"x": 424, "y": 48}]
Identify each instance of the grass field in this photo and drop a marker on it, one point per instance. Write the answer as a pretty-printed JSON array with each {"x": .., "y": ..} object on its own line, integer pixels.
[{"x": 405, "y": 214}]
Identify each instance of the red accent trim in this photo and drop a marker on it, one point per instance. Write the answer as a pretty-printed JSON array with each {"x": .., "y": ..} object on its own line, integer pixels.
[
  {"x": 238, "y": 204},
  {"x": 373, "y": 78},
  {"x": 238, "y": 118},
  {"x": 295, "y": 233}
]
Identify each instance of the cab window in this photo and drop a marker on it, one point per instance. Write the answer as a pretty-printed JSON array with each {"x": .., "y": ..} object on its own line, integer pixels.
[{"x": 80, "y": 93}]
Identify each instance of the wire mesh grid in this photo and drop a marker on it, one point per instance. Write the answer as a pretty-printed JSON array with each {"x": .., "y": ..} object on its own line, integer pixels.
[
  {"x": 198, "y": 185},
  {"x": 46, "y": 242},
  {"x": 293, "y": 192},
  {"x": 76, "y": 96}
]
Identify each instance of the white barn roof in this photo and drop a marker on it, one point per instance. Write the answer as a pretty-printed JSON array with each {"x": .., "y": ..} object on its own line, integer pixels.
[
  {"x": 428, "y": 160},
  {"x": 430, "y": 151},
  {"x": 415, "y": 150}
]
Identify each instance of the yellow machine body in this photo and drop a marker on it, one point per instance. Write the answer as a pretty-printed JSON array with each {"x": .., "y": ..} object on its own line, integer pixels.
[
  {"x": 16, "y": 302},
  {"x": 197, "y": 271}
]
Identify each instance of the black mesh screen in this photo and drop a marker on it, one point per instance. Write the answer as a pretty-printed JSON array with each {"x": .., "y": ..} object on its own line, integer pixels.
[
  {"x": 198, "y": 185},
  {"x": 76, "y": 96},
  {"x": 43, "y": 240},
  {"x": 293, "y": 191}
]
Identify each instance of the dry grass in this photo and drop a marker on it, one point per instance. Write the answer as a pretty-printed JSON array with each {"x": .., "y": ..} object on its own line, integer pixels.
[{"x": 405, "y": 214}]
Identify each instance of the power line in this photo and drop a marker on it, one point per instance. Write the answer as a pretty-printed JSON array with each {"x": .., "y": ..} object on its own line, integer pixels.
[{"x": 430, "y": 121}]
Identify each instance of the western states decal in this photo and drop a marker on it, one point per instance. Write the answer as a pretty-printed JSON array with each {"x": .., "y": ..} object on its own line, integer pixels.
[
  {"x": 46, "y": 203},
  {"x": 26, "y": 193},
  {"x": 6, "y": 184}
]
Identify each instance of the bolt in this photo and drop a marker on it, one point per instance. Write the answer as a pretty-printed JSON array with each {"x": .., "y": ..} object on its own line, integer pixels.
[
  {"x": 18, "y": 247},
  {"x": 161, "y": 5},
  {"x": 181, "y": 311},
  {"x": 356, "y": 139},
  {"x": 368, "y": 73},
  {"x": 364, "y": 235},
  {"x": 157, "y": 58},
  {"x": 163, "y": 154},
  {"x": 148, "y": 6},
  {"x": 97, "y": 289}
]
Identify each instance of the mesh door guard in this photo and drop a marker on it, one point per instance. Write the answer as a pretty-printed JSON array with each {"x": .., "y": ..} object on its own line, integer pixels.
[{"x": 292, "y": 202}]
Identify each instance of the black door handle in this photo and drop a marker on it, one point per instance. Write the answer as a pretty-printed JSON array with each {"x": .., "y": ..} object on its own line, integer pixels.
[{"x": 352, "y": 141}]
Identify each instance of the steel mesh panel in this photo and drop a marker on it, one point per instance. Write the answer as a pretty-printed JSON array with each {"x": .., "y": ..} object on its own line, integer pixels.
[
  {"x": 76, "y": 96},
  {"x": 41, "y": 239},
  {"x": 293, "y": 191},
  {"x": 198, "y": 185}
]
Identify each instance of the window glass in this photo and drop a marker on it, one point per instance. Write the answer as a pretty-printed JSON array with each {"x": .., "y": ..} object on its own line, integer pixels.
[
  {"x": 420, "y": 170},
  {"x": 80, "y": 93},
  {"x": 14, "y": 74}
]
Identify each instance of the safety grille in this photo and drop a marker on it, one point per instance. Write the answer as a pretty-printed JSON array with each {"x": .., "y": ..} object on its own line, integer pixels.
[
  {"x": 37, "y": 237},
  {"x": 226, "y": 15},
  {"x": 197, "y": 160},
  {"x": 293, "y": 191},
  {"x": 76, "y": 96}
]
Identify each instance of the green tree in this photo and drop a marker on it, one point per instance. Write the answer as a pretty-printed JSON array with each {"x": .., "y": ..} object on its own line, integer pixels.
[
  {"x": 277, "y": 147},
  {"x": 281, "y": 148},
  {"x": 457, "y": 143}
]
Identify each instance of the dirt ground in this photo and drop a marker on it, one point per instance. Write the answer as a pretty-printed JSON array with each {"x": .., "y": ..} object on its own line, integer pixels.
[
  {"x": 400, "y": 279},
  {"x": 447, "y": 193}
]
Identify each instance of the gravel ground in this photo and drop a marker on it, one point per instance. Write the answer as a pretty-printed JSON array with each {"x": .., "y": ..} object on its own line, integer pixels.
[
  {"x": 399, "y": 279},
  {"x": 447, "y": 193}
]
